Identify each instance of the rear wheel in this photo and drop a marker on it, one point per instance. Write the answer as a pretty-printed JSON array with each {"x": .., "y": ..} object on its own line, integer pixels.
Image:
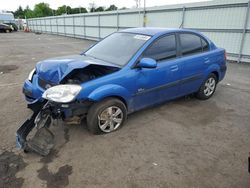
[
  {"x": 208, "y": 88},
  {"x": 106, "y": 116}
]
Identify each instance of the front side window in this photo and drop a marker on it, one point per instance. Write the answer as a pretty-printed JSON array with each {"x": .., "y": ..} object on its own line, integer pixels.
[
  {"x": 190, "y": 44},
  {"x": 118, "y": 48},
  {"x": 162, "y": 49}
]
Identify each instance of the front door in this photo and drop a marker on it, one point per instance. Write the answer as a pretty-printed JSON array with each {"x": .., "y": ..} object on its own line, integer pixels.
[{"x": 160, "y": 83}]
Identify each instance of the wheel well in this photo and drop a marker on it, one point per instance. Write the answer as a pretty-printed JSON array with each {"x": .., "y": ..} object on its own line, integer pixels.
[
  {"x": 216, "y": 74},
  {"x": 117, "y": 97}
]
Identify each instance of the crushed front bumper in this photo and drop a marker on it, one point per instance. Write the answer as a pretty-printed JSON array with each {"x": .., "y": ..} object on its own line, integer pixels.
[
  {"x": 43, "y": 140},
  {"x": 33, "y": 94},
  {"x": 32, "y": 91}
]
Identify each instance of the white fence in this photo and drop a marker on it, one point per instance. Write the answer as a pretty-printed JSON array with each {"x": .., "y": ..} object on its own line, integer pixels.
[{"x": 227, "y": 23}]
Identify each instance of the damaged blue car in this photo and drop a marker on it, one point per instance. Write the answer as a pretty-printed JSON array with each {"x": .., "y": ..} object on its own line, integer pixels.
[{"x": 125, "y": 72}]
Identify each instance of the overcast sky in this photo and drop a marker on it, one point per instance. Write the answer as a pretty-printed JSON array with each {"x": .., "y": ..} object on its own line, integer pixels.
[{"x": 12, "y": 5}]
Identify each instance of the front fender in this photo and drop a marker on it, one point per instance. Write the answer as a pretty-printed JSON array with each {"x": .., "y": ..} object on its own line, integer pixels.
[{"x": 108, "y": 91}]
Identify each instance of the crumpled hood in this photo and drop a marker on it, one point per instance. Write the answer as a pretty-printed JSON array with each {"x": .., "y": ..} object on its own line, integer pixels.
[{"x": 55, "y": 69}]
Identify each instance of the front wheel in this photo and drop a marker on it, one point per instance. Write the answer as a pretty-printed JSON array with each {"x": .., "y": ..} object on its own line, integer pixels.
[
  {"x": 208, "y": 87},
  {"x": 106, "y": 116}
]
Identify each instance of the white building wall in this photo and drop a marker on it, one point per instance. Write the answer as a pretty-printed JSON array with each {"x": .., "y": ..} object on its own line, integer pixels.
[{"x": 223, "y": 21}]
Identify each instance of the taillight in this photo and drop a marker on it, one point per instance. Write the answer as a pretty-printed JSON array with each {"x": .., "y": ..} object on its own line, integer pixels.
[{"x": 225, "y": 55}]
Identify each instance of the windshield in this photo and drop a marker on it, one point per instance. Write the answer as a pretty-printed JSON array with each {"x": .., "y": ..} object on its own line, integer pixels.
[{"x": 118, "y": 48}]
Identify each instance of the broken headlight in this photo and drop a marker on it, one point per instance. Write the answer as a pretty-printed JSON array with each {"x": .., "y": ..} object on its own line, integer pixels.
[
  {"x": 62, "y": 93},
  {"x": 31, "y": 74}
]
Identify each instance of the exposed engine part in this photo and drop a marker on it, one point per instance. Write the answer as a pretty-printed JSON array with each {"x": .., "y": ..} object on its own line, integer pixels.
[{"x": 90, "y": 72}]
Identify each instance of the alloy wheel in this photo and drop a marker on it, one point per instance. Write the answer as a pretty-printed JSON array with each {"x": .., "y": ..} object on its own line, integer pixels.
[
  {"x": 110, "y": 119},
  {"x": 209, "y": 86}
]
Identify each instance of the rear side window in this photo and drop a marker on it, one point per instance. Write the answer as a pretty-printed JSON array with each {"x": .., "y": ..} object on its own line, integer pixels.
[
  {"x": 192, "y": 44},
  {"x": 204, "y": 45},
  {"x": 162, "y": 49}
]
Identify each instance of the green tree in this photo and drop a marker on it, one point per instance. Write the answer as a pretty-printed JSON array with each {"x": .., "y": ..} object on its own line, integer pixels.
[
  {"x": 111, "y": 7},
  {"x": 69, "y": 10},
  {"x": 28, "y": 12},
  {"x": 64, "y": 10},
  {"x": 53, "y": 12},
  {"x": 83, "y": 10},
  {"x": 78, "y": 10},
  {"x": 61, "y": 10},
  {"x": 99, "y": 9},
  {"x": 19, "y": 13},
  {"x": 42, "y": 10}
]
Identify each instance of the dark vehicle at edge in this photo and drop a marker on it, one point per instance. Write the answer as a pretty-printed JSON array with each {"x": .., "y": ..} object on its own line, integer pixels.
[
  {"x": 15, "y": 27},
  {"x": 5, "y": 28}
]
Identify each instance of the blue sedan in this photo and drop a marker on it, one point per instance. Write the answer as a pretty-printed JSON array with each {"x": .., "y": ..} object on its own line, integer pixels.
[{"x": 125, "y": 72}]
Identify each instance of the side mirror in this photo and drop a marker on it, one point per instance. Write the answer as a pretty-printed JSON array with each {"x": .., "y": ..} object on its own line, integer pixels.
[{"x": 147, "y": 63}]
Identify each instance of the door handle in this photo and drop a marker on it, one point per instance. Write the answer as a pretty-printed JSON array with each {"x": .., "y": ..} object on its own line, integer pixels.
[{"x": 174, "y": 68}]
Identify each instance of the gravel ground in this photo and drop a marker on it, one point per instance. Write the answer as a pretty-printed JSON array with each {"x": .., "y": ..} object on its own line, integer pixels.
[{"x": 183, "y": 143}]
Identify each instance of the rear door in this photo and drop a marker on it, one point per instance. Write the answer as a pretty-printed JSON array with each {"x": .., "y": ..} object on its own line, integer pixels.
[
  {"x": 193, "y": 61},
  {"x": 161, "y": 83}
]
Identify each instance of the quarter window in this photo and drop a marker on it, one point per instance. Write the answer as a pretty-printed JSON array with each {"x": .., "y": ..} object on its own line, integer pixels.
[
  {"x": 190, "y": 44},
  {"x": 204, "y": 45},
  {"x": 162, "y": 49}
]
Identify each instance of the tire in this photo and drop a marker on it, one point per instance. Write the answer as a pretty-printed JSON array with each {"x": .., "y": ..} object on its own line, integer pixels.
[
  {"x": 106, "y": 116},
  {"x": 208, "y": 87}
]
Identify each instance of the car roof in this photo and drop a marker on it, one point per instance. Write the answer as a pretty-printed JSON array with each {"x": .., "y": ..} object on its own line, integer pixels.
[{"x": 154, "y": 30}]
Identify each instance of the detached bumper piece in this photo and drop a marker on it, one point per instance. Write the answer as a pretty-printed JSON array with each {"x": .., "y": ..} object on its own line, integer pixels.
[{"x": 43, "y": 140}]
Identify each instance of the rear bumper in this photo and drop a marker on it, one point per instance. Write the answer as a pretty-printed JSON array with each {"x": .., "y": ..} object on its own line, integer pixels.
[{"x": 223, "y": 70}]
